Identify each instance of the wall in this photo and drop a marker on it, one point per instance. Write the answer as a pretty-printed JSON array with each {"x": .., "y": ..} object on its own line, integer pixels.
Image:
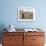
[{"x": 9, "y": 13}]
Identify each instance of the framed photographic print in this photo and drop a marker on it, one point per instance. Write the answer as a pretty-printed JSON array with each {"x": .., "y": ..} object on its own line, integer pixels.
[{"x": 26, "y": 14}]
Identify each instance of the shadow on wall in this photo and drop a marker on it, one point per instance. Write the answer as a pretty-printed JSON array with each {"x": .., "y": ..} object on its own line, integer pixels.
[{"x": 2, "y": 26}]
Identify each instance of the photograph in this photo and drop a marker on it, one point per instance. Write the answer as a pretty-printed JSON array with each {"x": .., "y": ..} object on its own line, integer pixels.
[{"x": 26, "y": 14}]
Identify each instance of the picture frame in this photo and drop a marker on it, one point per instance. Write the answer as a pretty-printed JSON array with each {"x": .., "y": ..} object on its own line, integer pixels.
[{"x": 26, "y": 14}]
